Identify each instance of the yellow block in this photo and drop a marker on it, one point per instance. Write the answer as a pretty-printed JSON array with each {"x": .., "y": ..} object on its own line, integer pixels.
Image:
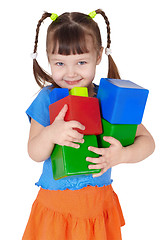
[{"x": 79, "y": 91}]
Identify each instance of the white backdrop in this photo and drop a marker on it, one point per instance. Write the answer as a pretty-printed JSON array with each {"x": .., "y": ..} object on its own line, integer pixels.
[{"x": 138, "y": 38}]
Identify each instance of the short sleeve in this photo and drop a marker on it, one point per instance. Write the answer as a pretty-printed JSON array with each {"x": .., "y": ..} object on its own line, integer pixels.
[{"x": 39, "y": 109}]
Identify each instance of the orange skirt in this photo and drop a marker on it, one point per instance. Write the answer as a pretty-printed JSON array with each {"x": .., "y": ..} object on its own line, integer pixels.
[{"x": 91, "y": 213}]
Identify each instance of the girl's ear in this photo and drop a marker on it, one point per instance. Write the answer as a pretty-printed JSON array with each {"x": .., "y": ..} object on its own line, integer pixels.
[{"x": 99, "y": 57}]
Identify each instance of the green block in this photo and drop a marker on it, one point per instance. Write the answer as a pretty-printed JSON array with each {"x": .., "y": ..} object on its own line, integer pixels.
[
  {"x": 79, "y": 91},
  {"x": 68, "y": 161},
  {"x": 125, "y": 133}
]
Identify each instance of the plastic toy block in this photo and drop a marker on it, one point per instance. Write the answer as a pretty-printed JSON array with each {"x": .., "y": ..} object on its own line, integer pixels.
[
  {"x": 79, "y": 91},
  {"x": 68, "y": 161},
  {"x": 85, "y": 110},
  {"x": 125, "y": 133},
  {"x": 121, "y": 101},
  {"x": 58, "y": 93}
]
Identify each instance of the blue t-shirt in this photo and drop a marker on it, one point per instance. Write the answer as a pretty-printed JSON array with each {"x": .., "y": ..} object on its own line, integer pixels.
[{"x": 39, "y": 111}]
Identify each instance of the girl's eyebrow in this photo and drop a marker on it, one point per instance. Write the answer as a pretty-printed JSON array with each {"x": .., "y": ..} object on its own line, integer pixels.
[
  {"x": 79, "y": 57},
  {"x": 83, "y": 57},
  {"x": 55, "y": 59}
]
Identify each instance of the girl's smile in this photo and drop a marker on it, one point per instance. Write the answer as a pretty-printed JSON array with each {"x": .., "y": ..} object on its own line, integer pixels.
[{"x": 73, "y": 82}]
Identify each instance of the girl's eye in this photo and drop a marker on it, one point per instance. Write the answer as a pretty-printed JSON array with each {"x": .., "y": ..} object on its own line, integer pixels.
[
  {"x": 59, "y": 64},
  {"x": 81, "y": 63}
]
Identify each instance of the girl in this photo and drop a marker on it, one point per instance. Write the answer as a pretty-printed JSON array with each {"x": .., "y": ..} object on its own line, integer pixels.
[{"x": 83, "y": 207}]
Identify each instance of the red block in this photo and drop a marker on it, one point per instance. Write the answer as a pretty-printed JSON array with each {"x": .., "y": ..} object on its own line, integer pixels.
[{"x": 85, "y": 110}]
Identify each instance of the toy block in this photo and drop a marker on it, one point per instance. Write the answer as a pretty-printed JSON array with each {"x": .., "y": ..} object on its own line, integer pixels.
[
  {"x": 58, "y": 93},
  {"x": 125, "y": 133},
  {"x": 68, "y": 161},
  {"x": 79, "y": 91},
  {"x": 121, "y": 101},
  {"x": 85, "y": 110}
]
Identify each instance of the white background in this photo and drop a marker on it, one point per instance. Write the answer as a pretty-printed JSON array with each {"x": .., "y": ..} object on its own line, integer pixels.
[{"x": 138, "y": 38}]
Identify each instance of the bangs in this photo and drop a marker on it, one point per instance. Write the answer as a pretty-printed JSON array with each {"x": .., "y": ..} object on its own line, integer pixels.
[{"x": 74, "y": 43}]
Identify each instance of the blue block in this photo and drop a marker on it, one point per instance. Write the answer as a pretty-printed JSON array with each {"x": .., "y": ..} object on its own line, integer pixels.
[
  {"x": 58, "y": 93},
  {"x": 121, "y": 101}
]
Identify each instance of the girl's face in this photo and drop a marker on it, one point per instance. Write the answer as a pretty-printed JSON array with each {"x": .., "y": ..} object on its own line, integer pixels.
[{"x": 77, "y": 70}]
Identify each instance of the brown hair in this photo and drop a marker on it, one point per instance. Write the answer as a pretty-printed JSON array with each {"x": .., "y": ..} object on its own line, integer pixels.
[{"x": 69, "y": 31}]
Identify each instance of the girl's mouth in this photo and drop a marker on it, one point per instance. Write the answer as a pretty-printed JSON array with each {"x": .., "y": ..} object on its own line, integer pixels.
[{"x": 73, "y": 82}]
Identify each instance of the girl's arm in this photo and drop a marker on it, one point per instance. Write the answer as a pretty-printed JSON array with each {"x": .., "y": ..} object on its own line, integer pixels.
[
  {"x": 142, "y": 147},
  {"x": 39, "y": 144},
  {"x": 42, "y": 139}
]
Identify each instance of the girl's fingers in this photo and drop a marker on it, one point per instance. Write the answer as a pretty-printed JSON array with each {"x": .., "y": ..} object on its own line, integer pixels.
[
  {"x": 99, "y": 174},
  {"x": 76, "y": 124},
  {"x": 98, "y": 166},
  {"x": 62, "y": 113},
  {"x": 96, "y": 150},
  {"x": 95, "y": 160},
  {"x": 76, "y": 140},
  {"x": 111, "y": 140},
  {"x": 71, "y": 144},
  {"x": 75, "y": 135}
]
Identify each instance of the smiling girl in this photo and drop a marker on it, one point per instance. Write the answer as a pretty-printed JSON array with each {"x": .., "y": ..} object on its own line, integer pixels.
[{"x": 83, "y": 207}]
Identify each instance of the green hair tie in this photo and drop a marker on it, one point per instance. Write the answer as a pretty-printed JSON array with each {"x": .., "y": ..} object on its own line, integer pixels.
[
  {"x": 54, "y": 16},
  {"x": 92, "y": 14}
]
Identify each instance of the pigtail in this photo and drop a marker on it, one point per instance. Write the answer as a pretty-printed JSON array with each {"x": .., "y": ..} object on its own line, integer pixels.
[
  {"x": 112, "y": 68},
  {"x": 41, "y": 76}
]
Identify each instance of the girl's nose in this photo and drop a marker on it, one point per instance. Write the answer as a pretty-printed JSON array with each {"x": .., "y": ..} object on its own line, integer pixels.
[{"x": 70, "y": 72}]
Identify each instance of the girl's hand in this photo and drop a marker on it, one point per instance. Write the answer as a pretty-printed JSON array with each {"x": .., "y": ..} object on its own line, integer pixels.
[
  {"x": 63, "y": 133},
  {"x": 109, "y": 156}
]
